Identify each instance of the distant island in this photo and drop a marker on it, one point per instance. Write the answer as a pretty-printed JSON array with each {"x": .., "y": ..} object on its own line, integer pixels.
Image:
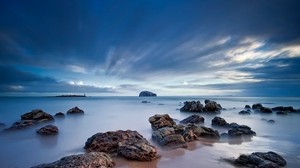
[
  {"x": 147, "y": 94},
  {"x": 71, "y": 95}
]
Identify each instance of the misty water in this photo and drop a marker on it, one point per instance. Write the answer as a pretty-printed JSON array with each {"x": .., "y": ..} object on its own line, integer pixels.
[{"x": 25, "y": 148}]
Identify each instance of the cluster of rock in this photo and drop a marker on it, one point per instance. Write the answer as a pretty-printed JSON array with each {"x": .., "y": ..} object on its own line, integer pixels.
[
  {"x": 280, "y": 110},
  {"x": 92, "y": 159},
  {"x": 147, "y": 94},
  {"x": 168, "y": 134},
  {"x": 260, "y": 160},
  {"x": 129, "y": 144},
  {"x": 196, "y": 106},
  {"x": 234, "y": 129}
]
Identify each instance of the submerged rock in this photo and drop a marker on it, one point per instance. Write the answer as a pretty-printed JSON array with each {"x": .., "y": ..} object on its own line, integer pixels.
[
  {"x": 257, "y": 106},
  {"x": 161, "y": 120},
  {"x": 129, "y": 144},
  {"x": 92, "y": 159},
  {"x": 75, "y": 110},
  {"x": 218, "y": 121},
  {"x": 21, "y": 125},
  {"x": 281, "y": 112},
  {"x": 192, "y": 106},
  {"x": 193, "y": 119},
  {"x": 265, "y": 110},
  {"x": 260, "y": 160},
  {"x": 48, "y": 130},
  {"x": 245, "y": 112},
  {"x": 59, "y": 115},
  {"x": 147, "y": 94},
  {"x": 247, "y": 107},
  {"x": 144, "y": 101}
]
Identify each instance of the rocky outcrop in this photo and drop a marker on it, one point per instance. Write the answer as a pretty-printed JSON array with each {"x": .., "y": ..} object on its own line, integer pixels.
[
  {"x": 247, "y": 107},
  {"x": 245, "y": 112},
  {"x": 129, "y": 144},
  {"x": 48, "y": 130},
  {"x": 286, "y": 109},
  {"x": 257, "y": 106},
  {"x": 235, "y": 130},
  {"x": 168, "y": 134},
  {"x": 193, "y": 119},
  {"x": 92, "y": 159},
  {"x": 260, "y": 160},
  {"x": 265, "y": 110},
  {"x": 59, "y": 115},
  {"x": 75, "y": 110},
  {"x": 31, "y": 118},
  {"x": 196, "y": 106},
  {"x": 2, "y": 124},
  {"x": 147, "y": 94},
  {"x": 158, "y": 121}
]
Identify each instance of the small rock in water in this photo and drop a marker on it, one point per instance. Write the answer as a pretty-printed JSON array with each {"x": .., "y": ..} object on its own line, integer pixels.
[
  {"x": 48, "y": 130},
  {"x": 247, "y": 107},
  {"x": 192, "y": 106},
  {"x": 59, "y": 115},
  {"x": 144, "y": 101},
  {"x": 147, "y": 94},
  {"x": 75, "y": 110},
  {"x": 193, "y": 119},
  {"x": 161, "y": 120},
  {"x": 271, "y": 121},
  {"x": 243, "y": 112},
  {"x": 265, "y": 110},
  {"x": 257, "y": 106},
  {"x": 92, "y": 159},
  {"x": 218, "y": 121}
]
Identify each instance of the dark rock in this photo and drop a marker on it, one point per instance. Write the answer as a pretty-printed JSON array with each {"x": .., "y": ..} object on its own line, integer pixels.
[
  {"x": 285, "y": 109},
  {"x": 290, "y": 109},
  {"x": 247, "y": 107},
  {"x": 241, "y": 130},
  {"x": 282, "y": 112},
  {"x": 201, "y": 131},
  {"x": 59, "y": 115},
  {"x": 218, "y": 121},
  {"x": 2, "y": 125},
  {"x": 261, "y": 160},
  {"x": 192, "y": 106},
  {"x": 144, "y": 101},
  {"x": 206, "y": 101},
  {"x": 257, "y": 106},
  {"x": 21, "y": 125},
  {"x": 271, "y": 121},
  {"x": 189, "y": 136},
  {"x": 93, "y": 159},
  {"x": 167, "y": 137},
  {"x": 265, "y": 110},
  {"x": 48, "y": 130},
  {"x": 37, "y": 115},
  {"x": 212, "y": 106},
  {"x": 193, "y": 119},
  {"x": 158, "y": 121},
  {"x": 245, "y": 112},
  {"x": 147, "y": 94},
  {"x": 279, "y": 108},
  {"x": 129, "y": 144},
  {"x": 75, "y": 110}
]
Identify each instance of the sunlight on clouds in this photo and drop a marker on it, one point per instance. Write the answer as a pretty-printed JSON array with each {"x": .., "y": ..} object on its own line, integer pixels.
[
  {"x": 16, "y": 87},
  {"x": 232, "y": 76},
  {"x": 77, "y": 69}
]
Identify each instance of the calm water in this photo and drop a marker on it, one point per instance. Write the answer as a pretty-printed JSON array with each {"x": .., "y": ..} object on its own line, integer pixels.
[{"x": 25, "y": 148}]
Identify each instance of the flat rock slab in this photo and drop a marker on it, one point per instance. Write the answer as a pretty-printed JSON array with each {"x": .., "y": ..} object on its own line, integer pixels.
[
  {"x": 193, "y": 119},
  {"x": 129, "y": 144},
  {"x": 161, "y": 120},
  {"x": 88, "y": 160}
]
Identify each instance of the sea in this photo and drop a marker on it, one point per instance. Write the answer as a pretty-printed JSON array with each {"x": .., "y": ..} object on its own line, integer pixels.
[{"x": 25, "y": 148}]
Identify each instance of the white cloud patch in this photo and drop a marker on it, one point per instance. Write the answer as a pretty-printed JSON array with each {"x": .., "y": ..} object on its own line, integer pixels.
[{"x": 77, "y": 69}]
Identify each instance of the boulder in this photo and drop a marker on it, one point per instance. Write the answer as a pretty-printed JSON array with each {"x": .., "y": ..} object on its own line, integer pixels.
[
  {"x": 271, "y": 121},
  {"x": 193, "y": 119},
  {"x": 257, "y": 106},
  {"x": 261, "y": 160},
  {"x": 21, "y": 125},
  {"x": 145, "y": 101},
  {"x": 129, "y": 144},
  {"x": 147, "y": 94},
  {"x": 2, "y": 124},
  {"x": 59, "y": 115},
  {"x": 281, "y": 113},
  {"x": 241, "y": 130},
  {"x": 48, "y": 130},
  {"x": 278, "y": 108},
  {"x": 37, "y": 115},
  {"x": 245, "y": 112},
  {"x": 92, "y": 159},
  {"x": 265, "y": 110},
  {"x": 167, "y": 137},
  {"x": 161, "y": 120},
  {"x": 247, "y": 107},
  {"x": 192, "y": 106},
  {"x": 75, "y": 110},
  {"x": 218, "y": 121},
  {"x": 212, "y": 106},
  {"x": 204, "y": 132}
]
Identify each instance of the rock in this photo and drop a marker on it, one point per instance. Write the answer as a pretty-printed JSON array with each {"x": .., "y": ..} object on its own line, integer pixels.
[
  {"x": 218, "y": 121},
  {"x": 37, "y": 115},
  {"x": 265, "y": 110},
  {"x": 93, "y": 159},
  {"x": 144, "y": 101},
  {"x": 212, "y": 106},
  {"x": 278, "y": 108},
  {"x": 290, "y": 109},
  {"x": 281, "y": 113},
  {"x": 243, "y": 112},
  {"x": 167, "y": 137},
  {"x": 201, "y": 131},
  {"x": 129, "y": 144},
  {"x": 193, "y": 119},
  {"x": 147, "y": 94},
  {"x": 261, "y": 160},
  {"x": 271, "y": 121},
  {"x": 285, "y": 109},
  {"x": 257, "y": 106},
  {"x": 247, "y": 107},
  {"x": 59, "y": 115},
  {"x": 189, "y": 136},
  {"x": 21, "y": 125},
  {"x": 158, "y": 121},
  {"x": 192, "y": 106},
  {"x": 241, "y": 130},
  {"x": 75, "y": 110},
  {"x": 2, "y": 124},
  {"x": 48, "y": 130}
]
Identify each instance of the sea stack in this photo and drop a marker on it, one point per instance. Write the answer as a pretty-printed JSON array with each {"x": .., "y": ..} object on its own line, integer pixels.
[{"x": 147, "y": 94}]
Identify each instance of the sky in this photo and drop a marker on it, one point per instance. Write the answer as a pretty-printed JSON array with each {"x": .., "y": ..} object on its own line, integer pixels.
[{"x": 170, "y": 47}]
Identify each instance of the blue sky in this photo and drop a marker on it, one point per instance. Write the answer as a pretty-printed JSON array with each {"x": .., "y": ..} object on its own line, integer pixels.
[{"x": 171, "y": 47}]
